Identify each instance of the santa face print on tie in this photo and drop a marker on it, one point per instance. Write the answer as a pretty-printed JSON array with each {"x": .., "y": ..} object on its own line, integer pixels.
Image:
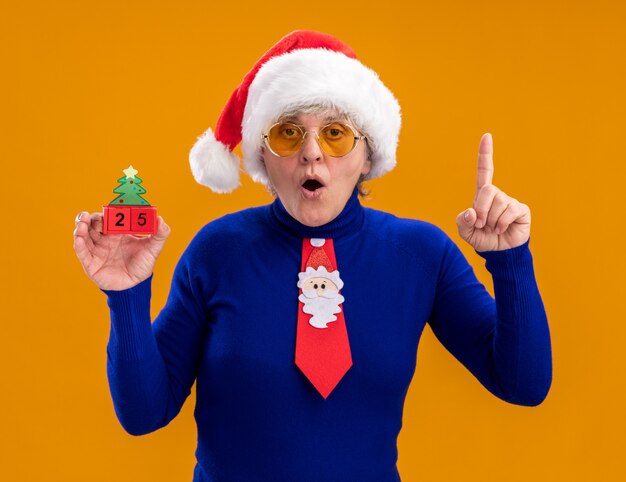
[{"x": 320, "y": 295}]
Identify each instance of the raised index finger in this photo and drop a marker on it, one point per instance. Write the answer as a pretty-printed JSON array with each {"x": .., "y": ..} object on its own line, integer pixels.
[{"x": 485, "y": 161}]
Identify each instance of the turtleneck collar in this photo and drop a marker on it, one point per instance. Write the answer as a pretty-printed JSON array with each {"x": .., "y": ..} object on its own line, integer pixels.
[{"x": 349, "y": 221}]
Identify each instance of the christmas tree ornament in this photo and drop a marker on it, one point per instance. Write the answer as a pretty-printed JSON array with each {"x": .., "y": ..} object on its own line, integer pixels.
[{"x": 129, "y": 213}]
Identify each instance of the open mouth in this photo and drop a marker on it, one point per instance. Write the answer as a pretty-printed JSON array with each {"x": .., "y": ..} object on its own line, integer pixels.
[{"x": 312, "y": 185}]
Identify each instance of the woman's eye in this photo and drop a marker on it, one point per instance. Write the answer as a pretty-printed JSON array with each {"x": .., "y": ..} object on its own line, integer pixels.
[
  {"x": 289, "y": 131},
  {"x": 334, "y": 131}
]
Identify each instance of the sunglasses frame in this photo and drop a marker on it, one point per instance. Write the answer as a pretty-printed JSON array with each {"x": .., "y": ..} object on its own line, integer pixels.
[{"x": 357, "y": 137}]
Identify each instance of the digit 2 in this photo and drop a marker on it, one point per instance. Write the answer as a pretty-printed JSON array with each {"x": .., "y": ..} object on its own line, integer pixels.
[{"x": 120, "y": 221}]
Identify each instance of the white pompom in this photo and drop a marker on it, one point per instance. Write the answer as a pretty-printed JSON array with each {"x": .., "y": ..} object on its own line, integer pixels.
[{"x": 213, "y": 164}]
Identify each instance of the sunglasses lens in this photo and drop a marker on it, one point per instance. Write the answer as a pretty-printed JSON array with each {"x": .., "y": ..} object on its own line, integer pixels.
[
  {"x": 284, "y": 139},
  {"x": 336, "y": 139}
]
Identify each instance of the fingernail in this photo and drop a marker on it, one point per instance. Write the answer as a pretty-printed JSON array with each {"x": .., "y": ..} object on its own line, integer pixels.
[{"x": 466, "y": 216}]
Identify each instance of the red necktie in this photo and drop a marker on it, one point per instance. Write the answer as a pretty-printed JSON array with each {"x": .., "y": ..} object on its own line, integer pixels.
[{"x": 322, "y": 347}]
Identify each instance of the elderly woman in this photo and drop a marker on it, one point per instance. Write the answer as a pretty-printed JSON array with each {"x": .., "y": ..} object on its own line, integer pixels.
[{"x": 300, "y": 320}]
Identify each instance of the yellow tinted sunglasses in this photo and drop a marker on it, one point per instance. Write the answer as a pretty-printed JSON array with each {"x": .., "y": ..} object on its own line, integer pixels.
[{"x": 335, "y": 139}]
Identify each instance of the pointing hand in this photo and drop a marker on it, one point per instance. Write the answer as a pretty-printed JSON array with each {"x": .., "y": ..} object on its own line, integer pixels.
[{"x": 495, "y": 221}]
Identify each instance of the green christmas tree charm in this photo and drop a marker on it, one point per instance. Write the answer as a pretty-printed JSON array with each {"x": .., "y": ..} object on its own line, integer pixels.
[
  {"x": 129, "y": 189},
  {"x": 129, "y": 213}
]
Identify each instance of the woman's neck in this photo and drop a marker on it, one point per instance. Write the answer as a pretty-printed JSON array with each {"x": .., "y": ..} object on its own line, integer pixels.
[{"x": 349, "y": 220}]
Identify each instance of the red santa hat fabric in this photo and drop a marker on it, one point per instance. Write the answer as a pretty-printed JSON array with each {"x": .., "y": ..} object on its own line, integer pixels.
[
  {"x": 304, "y": 68},
  {"x": 317, "y": 258}
]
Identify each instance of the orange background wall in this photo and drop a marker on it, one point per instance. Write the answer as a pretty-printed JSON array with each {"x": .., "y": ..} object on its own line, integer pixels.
[{"x": 90, "y": 87}]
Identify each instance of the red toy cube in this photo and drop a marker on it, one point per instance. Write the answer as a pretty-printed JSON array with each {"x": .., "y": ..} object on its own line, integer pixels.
[
  {"x": 143, "y": 220},
  {"x": 129, "y": 220}
]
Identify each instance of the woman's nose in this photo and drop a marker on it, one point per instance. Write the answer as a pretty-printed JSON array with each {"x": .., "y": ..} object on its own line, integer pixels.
[{"x": 311, "y": 150}]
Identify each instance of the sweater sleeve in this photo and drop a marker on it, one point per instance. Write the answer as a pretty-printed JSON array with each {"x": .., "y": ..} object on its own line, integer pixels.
[
  {"x": 504, "y": 342},
  {"x": 151, "y": 367}
]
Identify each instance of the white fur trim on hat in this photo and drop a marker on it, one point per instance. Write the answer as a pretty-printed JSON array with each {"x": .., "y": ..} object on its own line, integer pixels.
[
  {"x": 320, "y": 76},
  {"x": 213, "y": 164}
]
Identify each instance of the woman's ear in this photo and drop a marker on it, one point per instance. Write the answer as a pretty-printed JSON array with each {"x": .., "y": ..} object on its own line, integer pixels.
[{"x": 367, "y": 167}]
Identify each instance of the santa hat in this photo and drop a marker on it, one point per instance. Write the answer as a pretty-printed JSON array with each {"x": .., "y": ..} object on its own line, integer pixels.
[
  {"x": 303, "y": 68},
  {"x": 318, "y": 265}
]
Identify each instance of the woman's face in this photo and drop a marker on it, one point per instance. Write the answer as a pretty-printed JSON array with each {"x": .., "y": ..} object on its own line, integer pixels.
[{"x": 293, "y": 177}]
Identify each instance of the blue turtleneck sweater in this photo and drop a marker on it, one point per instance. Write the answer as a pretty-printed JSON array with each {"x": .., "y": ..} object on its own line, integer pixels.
[{"x": 230, "y": 325}]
